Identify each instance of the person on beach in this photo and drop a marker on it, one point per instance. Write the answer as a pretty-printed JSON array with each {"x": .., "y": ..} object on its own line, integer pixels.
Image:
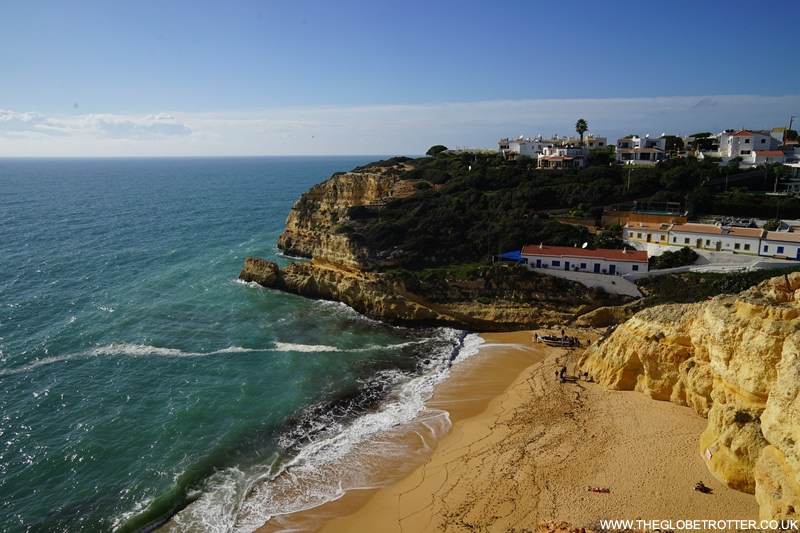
[
  {"x": 563, "y": 374},
  {"x": 535, "y": 337}
]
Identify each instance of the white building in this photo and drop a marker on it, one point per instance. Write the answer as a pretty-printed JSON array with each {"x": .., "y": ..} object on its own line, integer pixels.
[
  {"x": 716, "y": 238},
  {"x": 600, "y": 261},
  {"x": 563, "y": 157},
  {"x": 637, "y": 150},
  {"x": 521, "y": 146},
  {"x": 755, "y": 147},
  {"x": 533, "y": 147},
  {"x": 745, "y": 143},
  {"x": 768, "y": 156},
  {"x": 635, "y": 141},
  {"x": 781, "y": 244}
]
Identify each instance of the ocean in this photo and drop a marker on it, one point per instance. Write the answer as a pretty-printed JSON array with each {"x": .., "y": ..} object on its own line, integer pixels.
[{"x": 141, "y": 381}]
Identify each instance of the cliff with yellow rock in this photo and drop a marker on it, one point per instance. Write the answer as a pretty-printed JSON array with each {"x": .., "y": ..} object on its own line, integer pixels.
[{"x": 736, "y": 361}]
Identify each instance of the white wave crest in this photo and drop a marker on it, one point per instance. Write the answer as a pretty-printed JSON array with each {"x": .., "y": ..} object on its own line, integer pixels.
[
  {"x": 290, "y": 347},
  {"x": 471, "y": 345},
  {"x": 121, "y": 349}
]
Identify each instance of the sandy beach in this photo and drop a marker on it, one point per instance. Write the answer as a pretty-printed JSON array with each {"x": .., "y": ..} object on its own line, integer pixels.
[{"x": 525, "y": 448}]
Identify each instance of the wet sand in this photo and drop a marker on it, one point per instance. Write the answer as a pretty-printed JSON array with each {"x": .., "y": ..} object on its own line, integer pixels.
[
  {"x": 530, "y": 449},
  {"x": 472, "y": 385}
]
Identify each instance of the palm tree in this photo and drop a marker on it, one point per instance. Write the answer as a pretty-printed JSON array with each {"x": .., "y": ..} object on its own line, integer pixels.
[{"x": 581, "y": 126}]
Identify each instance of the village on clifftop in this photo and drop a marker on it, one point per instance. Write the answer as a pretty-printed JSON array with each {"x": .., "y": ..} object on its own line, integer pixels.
[{"x": 722, "y": 244}]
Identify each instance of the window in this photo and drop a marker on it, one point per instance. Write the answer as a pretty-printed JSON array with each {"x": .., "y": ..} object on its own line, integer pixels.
[
  {"x": 780, "y": 249},
  {"x": 708, "y": 242},
  {"x": 747, "y": 141},
  {"x": 766, "y": 248},
  {"x": 638, "y": 235},
  {"x": 763, "y": 141},
  {"x": 583, "y": 265},
  {"x": 686, "y": 240},
  {"x": 635, "y": 268},
  {"x": 663, "y": 237},
  {"x": 674, "y": 239},
  {"x": 736, "y": 246},
  {"x": 745, "y": 152},
  {"x": 556, "y": 263},
  {"x": 747, "y": 247},
  {"x": 599, "y": 144}
]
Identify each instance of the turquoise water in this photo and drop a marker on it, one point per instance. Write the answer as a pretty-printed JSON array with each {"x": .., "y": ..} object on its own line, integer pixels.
[{"x": 138, "y": 376}]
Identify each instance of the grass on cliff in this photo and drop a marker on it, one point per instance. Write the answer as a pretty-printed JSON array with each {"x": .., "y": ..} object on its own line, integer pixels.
[{"x": 696, "y": 287}]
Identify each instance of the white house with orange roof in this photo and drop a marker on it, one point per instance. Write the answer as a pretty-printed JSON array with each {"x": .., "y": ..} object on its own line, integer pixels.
[
  {"x": 755, "y": 147},
  {"x": 781, "y": 244},
  {"x": 716, "y": 238},
  {"x": 600, "y": 261}
]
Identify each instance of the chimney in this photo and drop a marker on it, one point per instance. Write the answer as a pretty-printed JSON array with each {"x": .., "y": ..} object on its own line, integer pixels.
[
  {"x": 540, "y": 245},
  {"x": 624, "y": 250}
]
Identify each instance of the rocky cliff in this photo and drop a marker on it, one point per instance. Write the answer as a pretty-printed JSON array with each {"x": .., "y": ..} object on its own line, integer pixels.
[
  {"x": 736, "y": 361},
  {"x": 383, "y": 297},
  {"x": 346, "y": 270},
  {"x": 313, "y": 228}
]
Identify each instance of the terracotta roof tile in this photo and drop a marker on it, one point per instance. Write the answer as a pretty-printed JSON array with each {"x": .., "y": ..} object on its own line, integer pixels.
[{"x": 783, "y": 236}]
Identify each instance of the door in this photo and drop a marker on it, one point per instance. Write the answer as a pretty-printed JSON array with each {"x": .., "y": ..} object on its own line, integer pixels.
[
  {"x": 719, "y": 245},
  {"x": 649, "y": 236},
  {"x": 597, "y": 267},
  {"x": 699, "y": 243},
  {"x": 612, "y": 269},
  {"x": 566, "y": 265},
  {"x": 538, "y": 263}
]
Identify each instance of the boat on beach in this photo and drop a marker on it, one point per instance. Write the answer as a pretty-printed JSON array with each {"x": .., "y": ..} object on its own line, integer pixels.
[{"x": 562, "y": 342}]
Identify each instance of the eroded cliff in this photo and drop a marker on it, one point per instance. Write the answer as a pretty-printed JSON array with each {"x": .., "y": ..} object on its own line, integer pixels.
[
  {"x": 735, "y": 360},
  {"x": 348, "y": 270},
  {"x": 315, "y": 222},
  {"x": 387, "y": 298}
]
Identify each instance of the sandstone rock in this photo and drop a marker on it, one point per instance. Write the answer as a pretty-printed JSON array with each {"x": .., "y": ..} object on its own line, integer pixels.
[
  {"x": 312, "y": 228},
  {"x": 735, "y": 360},
  {"x": 260, "y": 271},
  {"x": 604, "y": 317}
]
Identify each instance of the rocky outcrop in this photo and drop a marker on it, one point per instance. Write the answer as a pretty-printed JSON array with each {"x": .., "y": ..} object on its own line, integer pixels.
[
  {"x": 735, "y": 360},
  {"x": 381, "y": 297},
  {"x": 259, "y": 271}
]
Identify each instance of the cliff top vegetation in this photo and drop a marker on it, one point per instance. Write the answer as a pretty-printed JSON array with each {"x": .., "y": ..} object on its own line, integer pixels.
[{"x": 470, "y": 206}]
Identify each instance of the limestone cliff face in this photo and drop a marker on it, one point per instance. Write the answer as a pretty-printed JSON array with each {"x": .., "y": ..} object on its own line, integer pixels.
[
  {"x": 384, "y": 298},
  {"x": 312, "y": 228},
  {"x": 344, "y": 270},
  {"x": 735, "y": 360}
]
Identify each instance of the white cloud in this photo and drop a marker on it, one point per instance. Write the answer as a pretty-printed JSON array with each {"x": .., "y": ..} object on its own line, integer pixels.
[{"x": 385, "y": 129}]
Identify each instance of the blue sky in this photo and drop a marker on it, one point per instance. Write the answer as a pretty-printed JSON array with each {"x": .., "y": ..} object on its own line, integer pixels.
[{"x": 352, "y": 77}]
